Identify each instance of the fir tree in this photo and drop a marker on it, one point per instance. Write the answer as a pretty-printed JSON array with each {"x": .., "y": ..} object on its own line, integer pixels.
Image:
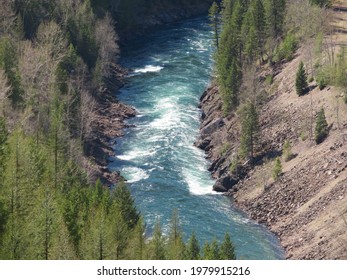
[
  {"x": 227, "y": 250},
  {"x": 301, "y": 80},
  {"x": 214, "y": 19},
  {"x": 157, "y": 244},
  {"x": 249, "y": 131},
  {"x": 126, "y": 204},
  {"x": 322, "y": 130},
  {"x": 193, "y": 248},
  {"x": 277, "y": 169},
  {"x": 175, "y": 244},
  {"x": 287, "y": 151}
]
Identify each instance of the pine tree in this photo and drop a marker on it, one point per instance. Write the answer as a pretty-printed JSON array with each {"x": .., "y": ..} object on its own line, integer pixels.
[
  {"x": 176, "y": 246},
  {"x": 157, "y": 244},
  {"x": 287, "y": 151},
  {"x": 301, "y": 80},
  {"x": 275, "y": 13},
  {"x": 214, "y": 19},
  {"x": 227, "y": 250},
  {"x": 277, "y": 169},
  {"x": 193, "y": 248},
  {"x": 322, "y": 130},
  {"x": 126, "y": 204},
  {"x": 249, "y": 131}
]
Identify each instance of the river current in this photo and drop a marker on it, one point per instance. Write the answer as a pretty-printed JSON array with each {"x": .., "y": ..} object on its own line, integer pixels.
[{"x": 170, "y": 68}]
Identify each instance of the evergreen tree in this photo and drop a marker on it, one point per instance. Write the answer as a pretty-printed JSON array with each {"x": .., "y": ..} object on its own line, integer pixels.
[
  {"x": 249, "y": 130},
  {"x": 157, "y": 244},
  {"x": 175, "y": 244},
  {"x": 277, "y": 169},
  {"x": 321, "y": 3},
  {"x": 193, "y": 248},
  {"x": 126, "y": 204},
  {"x": 301, "y": 80},
  {"x": 214, "y": 19},
  {"x": 227, "y": 250},
  {"x": 287, "y": 151},
  {"x": 322, "y": 130},
  {"x": 275, "y": 13}
]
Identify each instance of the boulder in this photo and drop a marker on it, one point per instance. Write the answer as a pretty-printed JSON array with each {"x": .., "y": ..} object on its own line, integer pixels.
[
  {"x": 224, "y": 184},
  {"x": 211, "y": 127}
]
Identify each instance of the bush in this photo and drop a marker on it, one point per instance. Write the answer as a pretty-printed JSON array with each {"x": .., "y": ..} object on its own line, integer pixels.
[
  {"x": 286, "y": 49},
  {"x": 321, "y": 131},
  {"x": 269, "y": 79},
  {"x": 287, "y": 151},
  {"x": 277, "y": 169}
]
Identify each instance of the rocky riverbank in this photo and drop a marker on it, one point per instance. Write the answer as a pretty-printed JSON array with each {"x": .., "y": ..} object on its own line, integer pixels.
[{"x": 306, "y": 206}]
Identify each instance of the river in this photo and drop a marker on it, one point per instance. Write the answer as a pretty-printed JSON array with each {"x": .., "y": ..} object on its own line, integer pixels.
[{"x": 171, "y": 67}]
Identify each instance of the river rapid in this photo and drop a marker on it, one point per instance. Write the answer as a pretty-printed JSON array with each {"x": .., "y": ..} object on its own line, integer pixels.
[{"x": 170, "y": 68}]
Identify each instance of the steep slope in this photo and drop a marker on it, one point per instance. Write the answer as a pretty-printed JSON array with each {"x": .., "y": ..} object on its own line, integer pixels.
[{"x": 306, "y": 206}]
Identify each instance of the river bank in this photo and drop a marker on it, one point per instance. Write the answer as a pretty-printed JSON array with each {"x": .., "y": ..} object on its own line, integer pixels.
[
  {"x": 305, "y": 207},
  {"x": 110, "y": 115}
]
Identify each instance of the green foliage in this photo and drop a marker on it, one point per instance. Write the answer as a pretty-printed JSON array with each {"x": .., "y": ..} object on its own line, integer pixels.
[
  {"x": 193, "y": 248},
  {"x": 287, "y": 151},
  {"x": 301, "y": 80},
  {"x": 322, "y": 130},
  {"x": 275, "y": 13},
  {"x": 269, "y": 79},
  {"x": 123, "y": 198},
  {"x": 175, "y": 244},
  {"x": 249, "y": 130},
  {"x": 277, "y": 169},
  {"x": 321, "y": 3},
  {"x": 235, "y": 166},
  {"x": 340, "y": 70},
  {"x": 286, "y": 49},
  {"x": 227, "y": 250},
  {"x": 213, "y": 15},
  {"x": 157, "y": 244}
]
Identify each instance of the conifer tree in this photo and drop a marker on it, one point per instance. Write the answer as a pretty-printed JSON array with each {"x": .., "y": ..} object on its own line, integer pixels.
[
  {"x": 249, "y": 130},
  {"x": 322, "y": 130},
  {"x": 275, "y": 12},
  {"x": 157, "y": 244},
  {"x": 227, "y": 250},
  {"x": 193, "y": 248},
  {"x": 301, "y": 80},
  {"x": 214, "y": 19},
  {"x": 277, "y": 169},
  {"x": 126, "y": 204},
  {"x": 287, "y": 151},
  {"x": 175, "y": 244}
]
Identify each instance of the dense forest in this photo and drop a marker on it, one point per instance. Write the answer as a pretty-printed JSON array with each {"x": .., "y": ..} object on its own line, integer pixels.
[{"x": 57, "y": 61}]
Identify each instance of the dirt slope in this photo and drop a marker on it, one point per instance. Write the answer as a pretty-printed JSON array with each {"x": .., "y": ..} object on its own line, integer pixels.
[{"x": 307, "y": 206}]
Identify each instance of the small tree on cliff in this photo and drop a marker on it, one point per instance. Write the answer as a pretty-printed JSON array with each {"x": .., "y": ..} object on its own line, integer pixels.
[
  {"x": 322, "y": 130},
  {"x": 277, "y": 169},
  {"x": 301, "y": 80},
  {"x": 249, "y": 131}
]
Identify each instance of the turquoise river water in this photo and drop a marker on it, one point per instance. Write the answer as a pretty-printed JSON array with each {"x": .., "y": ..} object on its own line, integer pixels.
[{"x": 171, "y": 67}]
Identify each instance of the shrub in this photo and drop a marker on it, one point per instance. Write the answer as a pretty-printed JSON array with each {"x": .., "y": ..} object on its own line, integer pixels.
[
  {"x": 321, "y": 131},
  {"x": 277, "y": 169},
  {"x": 286, "y": 49}
]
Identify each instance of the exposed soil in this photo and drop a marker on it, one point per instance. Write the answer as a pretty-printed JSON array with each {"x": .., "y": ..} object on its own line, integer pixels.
[{"x": 307, "y": 206}]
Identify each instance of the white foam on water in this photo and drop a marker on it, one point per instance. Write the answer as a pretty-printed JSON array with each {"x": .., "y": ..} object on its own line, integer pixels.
[
  {"x": 134, "y": 174},
  {"x": 148, "y": 69},
  {"x": 136, "y": 154},
  {"x": 195, "y": 184}
]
